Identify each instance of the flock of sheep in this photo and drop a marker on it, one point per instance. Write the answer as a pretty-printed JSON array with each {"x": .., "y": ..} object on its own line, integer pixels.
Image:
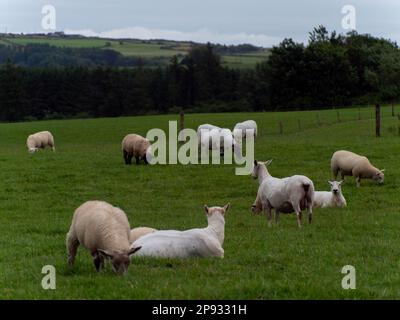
[{"x": 105, "y": 232}]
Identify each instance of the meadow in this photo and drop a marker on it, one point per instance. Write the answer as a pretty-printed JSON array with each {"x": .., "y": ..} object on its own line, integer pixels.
[
  {"x": 137, "y": 48},
  {"x": 39, "y": 193}
]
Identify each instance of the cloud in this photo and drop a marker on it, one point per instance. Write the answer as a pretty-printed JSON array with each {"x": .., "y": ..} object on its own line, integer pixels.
[{"x": 202, "y": 36}]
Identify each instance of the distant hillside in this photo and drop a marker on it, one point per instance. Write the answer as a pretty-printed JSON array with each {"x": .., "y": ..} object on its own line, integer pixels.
[{"x": 150, "y": 52}]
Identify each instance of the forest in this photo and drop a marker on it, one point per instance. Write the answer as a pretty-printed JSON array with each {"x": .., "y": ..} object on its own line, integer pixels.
[{"x": 330, "y": 71}]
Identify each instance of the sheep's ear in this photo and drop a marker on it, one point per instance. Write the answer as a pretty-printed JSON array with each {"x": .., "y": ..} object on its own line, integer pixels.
[
  {"x": 267, "y": 163},
  {"x": 226, "y": 207},
  {"x": 382, "y": 170},
  {"x": 105, "y": 253},
  {"x": 255, "y": 163},
  {"x": 133, "y": 250},
  {"x": 340, "y": 182},
  {"x": 206, "y": 209},
  {"x": 330, "y": 182}
]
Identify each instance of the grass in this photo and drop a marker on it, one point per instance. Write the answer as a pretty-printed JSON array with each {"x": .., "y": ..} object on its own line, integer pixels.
[
  {"x": 138, "y": 48},
  {"x": 40, "y": 192}
]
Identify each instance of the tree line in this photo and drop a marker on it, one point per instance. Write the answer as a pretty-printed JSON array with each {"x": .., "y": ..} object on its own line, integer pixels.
[{"x": 331, "y": 70}]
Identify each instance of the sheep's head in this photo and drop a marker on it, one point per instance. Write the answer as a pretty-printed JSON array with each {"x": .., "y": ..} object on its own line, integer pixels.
[
  {"x": 258, "y": 166},
  {"x": 33, "y": 150},
  {"x": 216, "y": 210},
  {"x": 379, "y": 176},
  {"x": 120, "y": 260},
  {"x": 256, "y": 209},
  {"x": 336, "y": 187}
]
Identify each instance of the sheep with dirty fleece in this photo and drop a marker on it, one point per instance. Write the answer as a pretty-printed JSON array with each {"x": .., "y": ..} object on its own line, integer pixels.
[
  {"x": 330, "y": 199},
  {"x": 351, "y": 164},
  {"x": 134, "y": 145},
  {"x": 104, "y": 231},
  {"x": 138, "y": 232},
  {"x": 245, "y": 127},
  {"x": 40, "y": 140},
  {"x": 200, "y": 242},
  {"x": 286, "y": 195}
]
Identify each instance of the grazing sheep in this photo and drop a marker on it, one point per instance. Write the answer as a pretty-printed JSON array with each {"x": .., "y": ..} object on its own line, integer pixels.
[
  {"x": 287, "y": 195},
  {"x": 352, "y": 164},
  {"x": 104, "y": 231},
  {"x": 134, "y": 145},
  {"x": 246, "y": 125},
  {"x": 136, "y": 233},
  {"x": 215, "y": 138},
  {"x": 205, "y": 242},
  {"x": 332, "y": 199},
  {"x": 40, "y": 140}
]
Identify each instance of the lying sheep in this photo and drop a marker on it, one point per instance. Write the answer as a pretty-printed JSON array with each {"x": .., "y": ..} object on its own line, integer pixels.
[
  {"x": 205, "y": 242},
  {"x": 104, "y": 231},
  {"x": 138, "y": 232},
  {"x": 40, "y": 140},
  {"x": 287, "y": 195},
  {"x": 352, "y": 164},
  {"x": 134, "y": 145},
  {"x": 332, "y": 199},
  {"x": 215, "y": 138},
  {"x": 246, "y": 125}
]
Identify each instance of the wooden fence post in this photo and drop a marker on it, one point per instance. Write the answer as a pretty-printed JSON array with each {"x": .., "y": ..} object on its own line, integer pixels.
[
  {"x": 338, "y": 116},
  {"x": 392, "y": 109},
  {"x": 378, "y": 120},
  {"x": 318, "y": 120},
  {"x": 299, "y": 124},
  {"x": 181, "y": 122},
  {"x": 359, "y": 114}
]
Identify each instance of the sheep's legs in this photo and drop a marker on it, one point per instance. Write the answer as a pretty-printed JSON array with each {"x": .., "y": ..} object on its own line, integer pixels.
[
  {"x": 137, "y": 159},
  {"x": 309, "y": 213},
  {"x": 276, "y": 216},
  {"x": 298, "y": 214},
  {"x": 98, "y": 260},
  {"x": 127, "y": 158},
  {"x": 268, "y": 210},
  {"x": 358, "y": 180},
  {"x": 72, "y": 248}
]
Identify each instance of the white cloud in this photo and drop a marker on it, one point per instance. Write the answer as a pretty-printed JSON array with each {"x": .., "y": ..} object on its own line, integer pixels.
[{"x": 202, "y": 36}]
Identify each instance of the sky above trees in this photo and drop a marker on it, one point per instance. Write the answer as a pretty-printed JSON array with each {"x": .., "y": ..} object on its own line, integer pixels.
[{"x": 259, "y": 22}]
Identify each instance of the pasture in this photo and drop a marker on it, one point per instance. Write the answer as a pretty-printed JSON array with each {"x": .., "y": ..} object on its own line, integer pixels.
[
  {"x": 39, "y": 192},
  {"x": 137, "y": 48}
]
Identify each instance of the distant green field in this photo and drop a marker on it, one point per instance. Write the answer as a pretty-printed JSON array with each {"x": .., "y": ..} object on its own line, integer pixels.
[
  {"x": 145, "y": 49},
  {"x": 39, "y": 193}
]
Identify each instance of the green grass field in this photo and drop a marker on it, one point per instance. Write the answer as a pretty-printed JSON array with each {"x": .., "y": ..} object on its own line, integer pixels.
[
  {"x": 40, "y": 192},
  {"x": 137, "y": 48}
]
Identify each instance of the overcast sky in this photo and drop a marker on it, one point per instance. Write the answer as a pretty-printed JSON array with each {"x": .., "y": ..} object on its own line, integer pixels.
[{"x": 260, "y": 22}]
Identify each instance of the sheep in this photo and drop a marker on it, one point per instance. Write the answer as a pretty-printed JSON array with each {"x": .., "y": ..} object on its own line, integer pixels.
[
  {"x": 134, "y": 145},
  {"x": 40, "y": 140},
  {"x": 334, "y": 198},
  {"x": 287, "y": 195},
  {"x": 138, "y": 232},
  {"x": 352, "y": 164},
  {"x": 215, "y": 138},
  {"x": 104, "y": 231},
  {"x": 205, "y": 242},
  {"x": 245, "y": 125}
]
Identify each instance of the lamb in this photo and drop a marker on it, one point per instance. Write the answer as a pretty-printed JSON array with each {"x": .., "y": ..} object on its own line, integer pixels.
[
  {"x": 287, "y": 195},
  {"x": 205, "y": 242},
  {"x": 136, "y": 233},
  {"x": 352, "y": 164},
  {"x": 334, "y": 198},
  {"x": 104, "y": 231},
  {"x": 40, "y": 140},
  {"x": 134, "y": 145},
  {"x": 246, "y": 125}
]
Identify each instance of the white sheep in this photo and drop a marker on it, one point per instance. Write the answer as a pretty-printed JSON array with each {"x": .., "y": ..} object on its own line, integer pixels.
[
  {"x": 205, "y": 242},
  {"x": 287, "y": 195},
  {"x": 40, "y": 140},
  {"x": 352, "y": 164},
  {"x": 134, "y": 145},
  {"x": 330, "y": 199},
  {"x": 138, "y": 232},
  {"x": 215, "y": 138},
  {"x": 245, "y": 125},
  {"x": 104, "y": 231}
]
